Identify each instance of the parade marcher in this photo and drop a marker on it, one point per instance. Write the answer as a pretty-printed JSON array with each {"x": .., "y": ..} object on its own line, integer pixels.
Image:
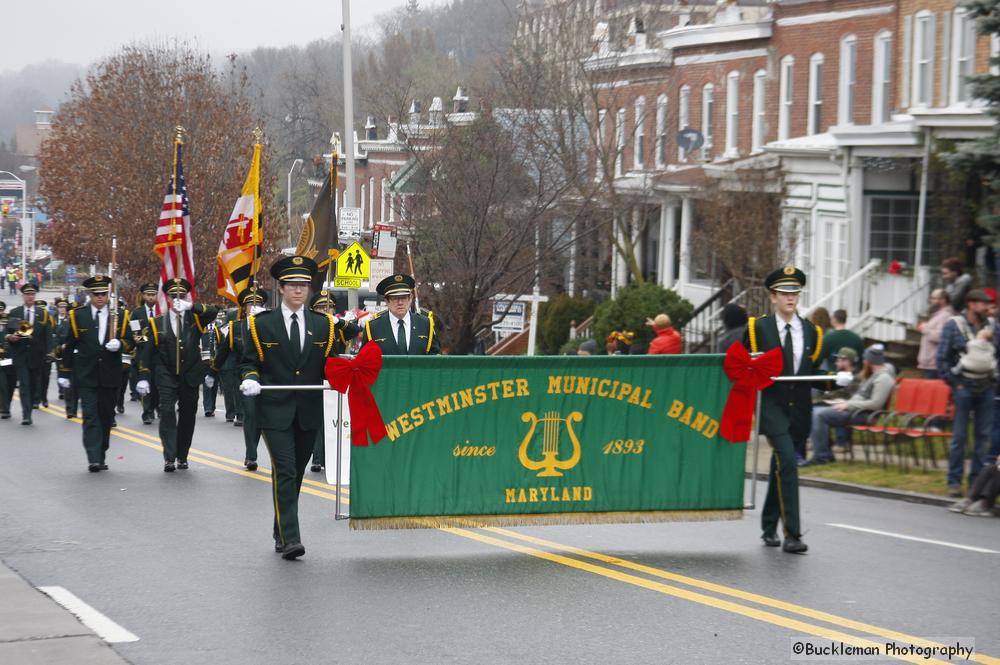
[
  {"x": 229, "y": 354},
  {"x": 127, "y": 359},
  {"x": 401, "y": 332},
  {"x": 322, "y": 302},
  {"x": 288, "y": 346},
  {"x": 210, "y": 344},
  {"x": 92, "y": 355},
  {"x": 971, "y": 391},
  {"x": 144, "y": 314},
  {"x": 786, "y": 407},
  {"x": 7, "y": 375},
  {"x": 45, "y": 376},
  {"x": 67, "y": 389},
  {"x": 178, "y": 377},
  {"x": 227, "y": 362},
  {"x": 28, "y": 349}
]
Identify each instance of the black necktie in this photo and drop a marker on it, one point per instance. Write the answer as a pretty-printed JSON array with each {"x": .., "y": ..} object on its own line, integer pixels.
[
  {"x": 788, "y": 351},
  {"x": 401, "y": 336},
  {"x": 296, "y": 340}
]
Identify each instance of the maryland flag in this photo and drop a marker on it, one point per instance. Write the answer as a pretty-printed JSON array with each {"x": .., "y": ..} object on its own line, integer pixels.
[
  {"x": 239, "y": 251},
  {"x": 319, "y": 233}
]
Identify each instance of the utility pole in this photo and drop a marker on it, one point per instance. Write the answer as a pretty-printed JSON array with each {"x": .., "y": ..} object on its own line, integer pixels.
[{"x": 352, "y": 294}]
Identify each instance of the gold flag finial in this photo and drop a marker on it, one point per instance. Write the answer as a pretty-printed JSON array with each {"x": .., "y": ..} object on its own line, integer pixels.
[
  {"x": 258, "y": 134},
  {"x": 179, "y": 133}
]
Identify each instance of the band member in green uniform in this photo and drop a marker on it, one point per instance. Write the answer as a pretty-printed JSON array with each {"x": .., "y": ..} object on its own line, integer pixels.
[
  {"x": 229, "y": 354},
  {"x": 28, "y": 340},
  {"x": 210, "y": 344},
  {"x": 92, "y": 355},
  {"x": 227, "y": 363},
  {"x": 7, "y": 375},
  {"x": 126, "y": 362},
  {"x": 400, "y": 331},
  {"x": 45, "y": 375},
  {"x": 322, "y": 302},
  {"x": 786, "y": 407},
  {"x": 62, "y": 329},
  {"x": 177, "y": 377},
  {"x": 144, "y": 313},
  {"x": 288, "y": 346}
]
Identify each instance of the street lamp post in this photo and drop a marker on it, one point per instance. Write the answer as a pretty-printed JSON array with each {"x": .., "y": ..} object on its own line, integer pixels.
[
  {"x": 295, "y": 164},
  {"x": 25, "y": 168},
  {"x": 23, "y": 186}
]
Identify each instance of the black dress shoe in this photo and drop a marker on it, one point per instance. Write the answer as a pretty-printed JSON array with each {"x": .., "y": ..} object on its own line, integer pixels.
[
  {"x": 94, "y": 468},
  {"x": 120, "y": 409},
  {"x": 4, "y": 416},
  {"x": 237, "y": 423},
  {"x": 70, "y": 416},
  {"x": 251, "y": 464},
  {"x": 316, "y": 468},
  {"x": 114, "y": 423},
  {"x": 210, "y": 414},
  {"x": 104, "y": 467},
  {"x": 229, "y": 419},
  {"x": 147, "y": 421},
  {"x": 45, "y": 404},
  {"x": 278, "y": 547},
  {"x": 168, "y": 467},
  {"x": 182, "y": 464},
  {"x": 26, "y": 421},
  {"x": 794, "y": 546},
  {"x": 771, "y": 540},
  {"x": 292, "y": 551}
]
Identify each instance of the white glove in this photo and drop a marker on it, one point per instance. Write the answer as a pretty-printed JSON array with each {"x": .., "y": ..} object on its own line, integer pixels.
[
  {"x": 349, "y": 315},
  {"x": 142, "y": 387},
  {"x": 844, "y": 378},
  {"x": 63, "y": 382},
  {"x": 181, "y": 305},
  {"x": 250, "y": 388},
  {"x": 209, "y": 381},
  {"x": 113, "y": 345}
]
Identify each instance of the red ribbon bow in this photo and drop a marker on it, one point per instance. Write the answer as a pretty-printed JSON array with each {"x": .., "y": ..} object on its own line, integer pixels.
[
  {"x": 748, "y": 376},
  {"x": 357, "y": 375}
]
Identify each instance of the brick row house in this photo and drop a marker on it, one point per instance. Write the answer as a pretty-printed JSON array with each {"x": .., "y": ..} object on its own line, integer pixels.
[{"x": 841, "y": 96}]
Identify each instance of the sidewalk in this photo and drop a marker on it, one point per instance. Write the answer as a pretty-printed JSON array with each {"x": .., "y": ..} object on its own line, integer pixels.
[{"x": 35, "y": 630}]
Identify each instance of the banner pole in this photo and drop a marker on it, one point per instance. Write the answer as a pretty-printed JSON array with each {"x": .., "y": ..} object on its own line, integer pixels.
[
  {"x": 756, "y": 454},
  {"x": 337, "y": 515}
]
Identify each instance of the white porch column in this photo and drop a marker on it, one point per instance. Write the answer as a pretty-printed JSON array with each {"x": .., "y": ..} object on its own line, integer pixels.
[
  {"x": 571, "y": 277},
  {"x": 685, "y": 271},
  {"x": 639, "y": 248},
  {"x": 668, "y": 213}
]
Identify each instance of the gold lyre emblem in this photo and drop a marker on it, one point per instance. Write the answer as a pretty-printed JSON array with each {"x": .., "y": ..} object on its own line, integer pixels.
[{"x": 550, "y": 464}]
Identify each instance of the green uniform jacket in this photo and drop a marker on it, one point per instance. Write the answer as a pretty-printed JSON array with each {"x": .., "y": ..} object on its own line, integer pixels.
[
  {"x": 160, "y": 348},
  {"x": 30, "y": 352},
  {"x": 269, "y": 359},
  {"x": 86, "y": 359},
  {"x": 229, "y": 349},
  {"x": 421, "y": 338},
  {"x": 786, "y": 406}
]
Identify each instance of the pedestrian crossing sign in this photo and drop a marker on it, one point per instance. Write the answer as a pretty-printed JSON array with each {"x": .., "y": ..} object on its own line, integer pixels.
[{"x": 353, "y": 267}]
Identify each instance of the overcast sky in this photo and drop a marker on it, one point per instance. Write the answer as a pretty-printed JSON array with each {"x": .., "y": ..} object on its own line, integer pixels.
[{"x": 82, "y": 31}]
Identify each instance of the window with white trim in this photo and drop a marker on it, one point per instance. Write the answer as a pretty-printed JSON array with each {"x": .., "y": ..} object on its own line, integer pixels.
[
  {"x": 759, "y": 110},
  {"x": 882, "y": 78},
  {"x": 661, "y": 131},
  {"x": 785, "y": 97},
  {"x": 923, "y": 59},
  {"x": 963, "y": 56},
  {"x": 620, "y": 142},
  {"x": 732, "y": 113},
  {"x": 683, "y": 116},
  {"x": 847, "y": 92},
  {"x": 707, "y": 110},
  {"x": 639, "y": 139},
  {"x": 814, "y": 121}
]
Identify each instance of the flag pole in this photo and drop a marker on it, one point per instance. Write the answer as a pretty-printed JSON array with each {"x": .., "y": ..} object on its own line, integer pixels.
[
  {"x": 258, "y": 136},
  {"x": 178, "y": 142}
]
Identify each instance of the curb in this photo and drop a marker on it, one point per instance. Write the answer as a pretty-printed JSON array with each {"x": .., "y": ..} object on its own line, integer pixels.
[{"x": 868, "y": 490}]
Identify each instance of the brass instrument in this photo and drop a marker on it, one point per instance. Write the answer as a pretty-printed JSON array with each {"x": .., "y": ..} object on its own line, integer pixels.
[
  {"x": 55, "y": 355},
  {"x": 25, "y": 329}
]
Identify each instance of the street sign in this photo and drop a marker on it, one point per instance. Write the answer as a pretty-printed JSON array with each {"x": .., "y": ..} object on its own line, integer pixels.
[
  {"x": 349, "y": 224},
  {"x": 384, "y": 241},
  {"x": 353, "y": 267},
  {"x": 513, "y": 322},
  {"x": 381, "y": 269}
]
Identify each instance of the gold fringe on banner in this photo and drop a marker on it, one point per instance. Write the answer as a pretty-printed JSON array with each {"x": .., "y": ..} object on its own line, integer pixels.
[{"x": 541, "y": 519}]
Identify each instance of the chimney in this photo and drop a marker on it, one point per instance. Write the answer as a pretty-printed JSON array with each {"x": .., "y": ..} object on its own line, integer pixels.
[
  {"x": 636, "y": 35},
  {"x": 683, "y": 15},
  {"x": 415, "y": 108},
  {"x": 728, "y": 11},
  {"x": 460, "y": 103},
  {"x": 436, "y": 113},
  {"x": 371, "y": 131}
]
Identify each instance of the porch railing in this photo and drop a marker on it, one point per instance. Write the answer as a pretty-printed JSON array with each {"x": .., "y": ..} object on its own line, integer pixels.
[{"x": 853, "y": 294}]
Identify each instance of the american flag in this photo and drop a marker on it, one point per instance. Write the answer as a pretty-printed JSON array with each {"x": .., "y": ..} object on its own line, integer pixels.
[{"x": 173, "y": 234}]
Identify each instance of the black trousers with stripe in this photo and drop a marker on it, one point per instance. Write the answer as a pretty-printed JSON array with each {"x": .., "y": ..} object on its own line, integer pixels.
[{"x": 290, "y": 451}]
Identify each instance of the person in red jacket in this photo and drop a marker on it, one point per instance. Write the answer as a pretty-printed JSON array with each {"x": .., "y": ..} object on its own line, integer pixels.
[{"x": 667, "y": 339}]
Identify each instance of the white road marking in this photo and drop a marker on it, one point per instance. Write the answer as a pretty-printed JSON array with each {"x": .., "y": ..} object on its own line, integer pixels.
[
  {"x": 105, "y": 628},
  {"x": 901, "y": 536}
]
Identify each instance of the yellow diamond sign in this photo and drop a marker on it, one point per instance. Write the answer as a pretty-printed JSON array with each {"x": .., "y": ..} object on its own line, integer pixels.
[{"x": 353, "y": 267}]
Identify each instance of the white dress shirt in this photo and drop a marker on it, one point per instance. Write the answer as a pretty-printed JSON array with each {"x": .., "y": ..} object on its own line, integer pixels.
[
  {"x": 102, "y": 328},
  {"x": 798, "y": 339},
  {"x": 287, "y": 315},
  {"x": 406, "y": 328}
]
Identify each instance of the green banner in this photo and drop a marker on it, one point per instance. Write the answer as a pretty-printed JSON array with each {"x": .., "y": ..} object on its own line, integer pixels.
[{"x": 548, "y": 439}]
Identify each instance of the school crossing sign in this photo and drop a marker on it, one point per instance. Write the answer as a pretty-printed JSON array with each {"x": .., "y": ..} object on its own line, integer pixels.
[{"x": 353, "y": 267}]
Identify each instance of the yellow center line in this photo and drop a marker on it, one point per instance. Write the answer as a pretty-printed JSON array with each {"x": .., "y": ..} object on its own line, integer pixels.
[{"x": 464, "y": 531}]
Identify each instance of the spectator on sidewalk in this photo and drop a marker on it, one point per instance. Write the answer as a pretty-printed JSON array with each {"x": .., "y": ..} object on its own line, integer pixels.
[
  {"x": 872, "y": 395},
  {"x": 619, "y": 343},
  {"x": 971, "y": 393},
  {"x": 667, "y": 340},
  {"x": 587, "y": 348},
  {"x": 957, "y": 282},
  {"x": 982, "y": 495},
  {"x": 930, "y": 332},
  {"x": 839, "y": 337},
  {"x": 734, "y": 320}
]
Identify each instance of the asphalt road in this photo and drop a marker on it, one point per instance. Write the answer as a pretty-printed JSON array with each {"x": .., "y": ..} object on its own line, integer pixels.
[{"x": 185, "y": 562}]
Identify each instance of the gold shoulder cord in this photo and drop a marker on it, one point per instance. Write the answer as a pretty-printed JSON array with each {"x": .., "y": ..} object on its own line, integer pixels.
[
  {"x": 156, "y": 333},
  {"x": 368, "y": 328},
  {"x": 197, "y": 322},
  {"x": 819, "y": 344},
  {"x": 125, "y": 320},
  {"x": 331, "y": 335},
  {"x": 430, "y": 337},
  {"x": 72, "y": 324},
  {"x": 752, "y": 331},
  {"x": 252, "y": 322}
]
